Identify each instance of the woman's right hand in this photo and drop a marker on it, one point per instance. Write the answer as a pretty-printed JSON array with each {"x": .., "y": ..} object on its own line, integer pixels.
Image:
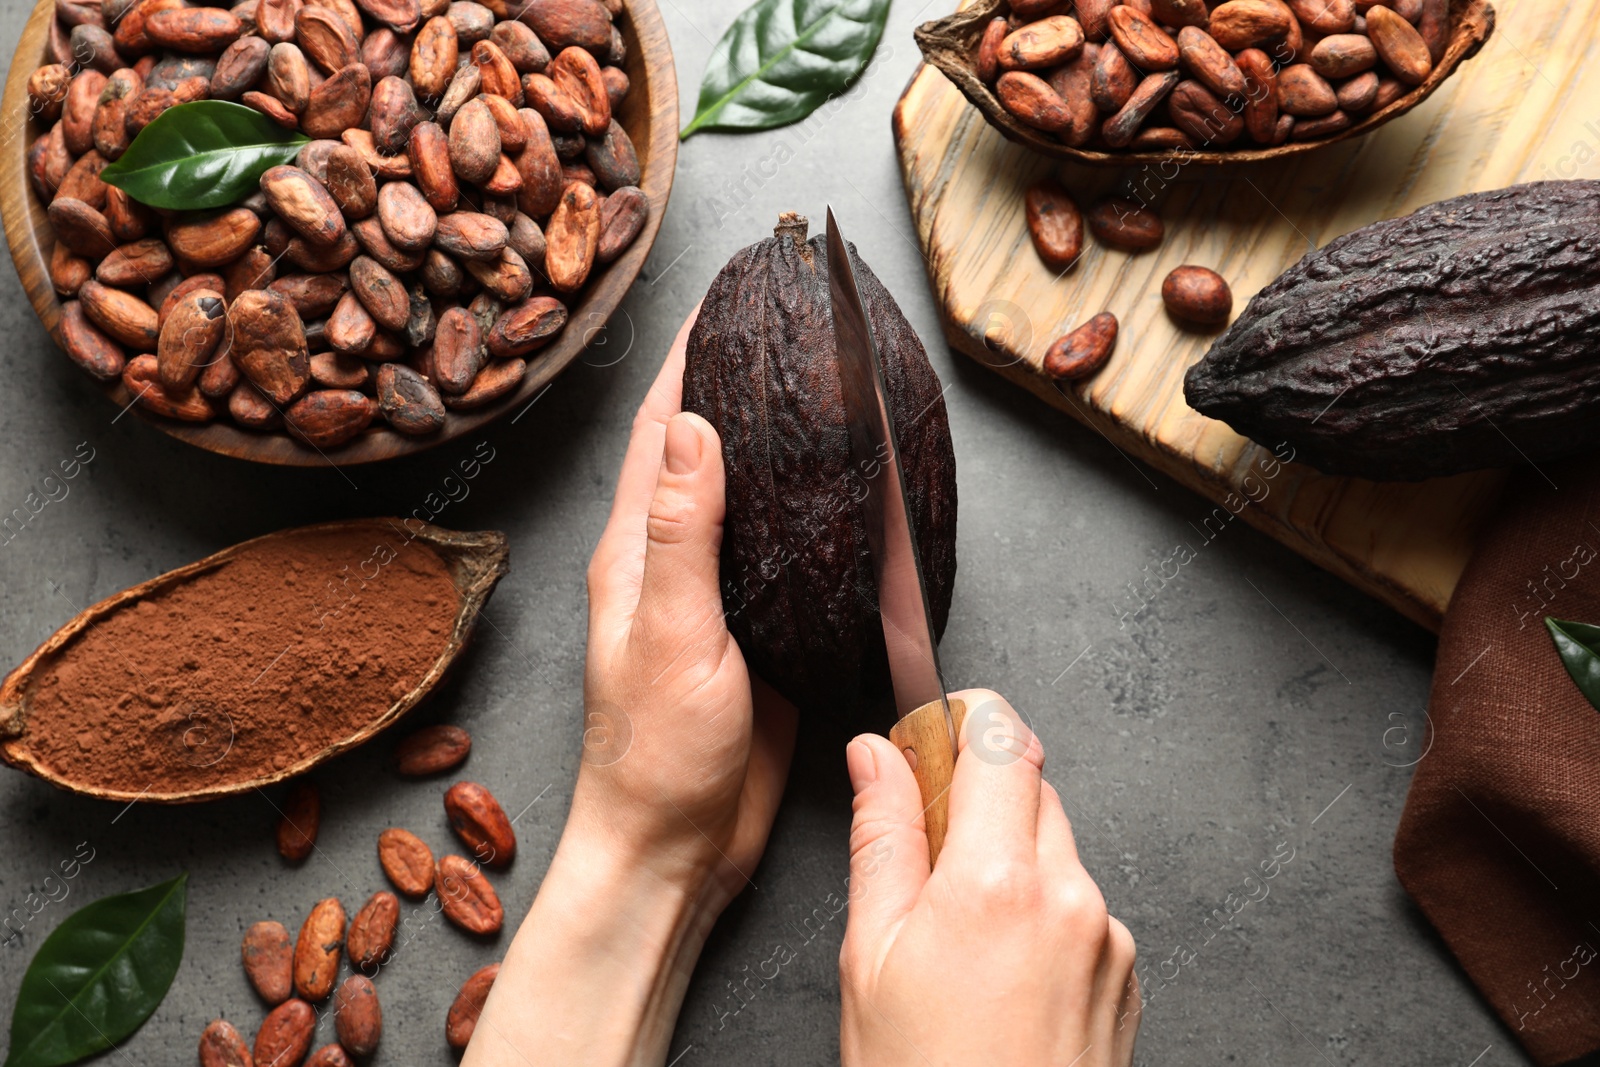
[{"x": 1002, "y": 955}]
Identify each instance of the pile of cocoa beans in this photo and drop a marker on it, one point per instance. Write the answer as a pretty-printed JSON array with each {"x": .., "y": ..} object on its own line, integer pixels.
[
  {"x": 1165, "y": 75},
  {"x": 466, "y": 178},
  {"x": 294, "y": 975}
]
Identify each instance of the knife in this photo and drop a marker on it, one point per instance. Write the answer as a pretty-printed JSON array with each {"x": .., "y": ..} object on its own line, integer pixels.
[{"x": 928, "y": 721}]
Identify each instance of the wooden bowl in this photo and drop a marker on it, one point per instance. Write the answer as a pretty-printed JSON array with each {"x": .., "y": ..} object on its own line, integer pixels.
[
  {"x": 951, "y": 45},
  {"x": 649, "y": 114},
  {"x": 475, "y": 562}
]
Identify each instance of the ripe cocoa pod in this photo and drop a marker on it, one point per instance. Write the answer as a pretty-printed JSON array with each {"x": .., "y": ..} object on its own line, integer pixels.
[
  {"x": 468, "y": 1005},
  {"x": 139, "y": 377},
  {"x": 466, "y": 897},
  {"x": 222, "y": 1046},
  {"x": 189, "y": 338},
  {"x": 492, "y": 383},
  {"x": 1126, "y": 224},
  {"x": 790, "y": 474},
  {"x": 1326, "y": 358},
  {"x": 1197, "y": 295},
  {"x": 285, "y": 1034},
  {"x": 268, "y": 957},
  {"x": 1083, "y": 351},
  {"x": 1054, "y": 223},
  {"x": 404, "y": 857},
  {"x": 432, "y": 750},
  {"x": 372, "y": 930},
  {"x": 358, "y": 1018},
  {"x": 317, "y": 950},
  {"x": 299, "y": 820},
  {"x": 477, "y": 818},
  {"x": 88, "y": 347}
]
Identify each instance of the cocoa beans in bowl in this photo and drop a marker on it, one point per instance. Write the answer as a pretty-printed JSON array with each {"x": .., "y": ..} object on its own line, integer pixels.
[
  {"x": 1198, "y": 81},
  {"x": 482, "y": 185}
]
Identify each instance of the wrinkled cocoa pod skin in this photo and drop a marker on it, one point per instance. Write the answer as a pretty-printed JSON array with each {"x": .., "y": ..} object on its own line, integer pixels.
[
  {"x": 1426, "y": 345},
  {"x": 797, "y": 581}
]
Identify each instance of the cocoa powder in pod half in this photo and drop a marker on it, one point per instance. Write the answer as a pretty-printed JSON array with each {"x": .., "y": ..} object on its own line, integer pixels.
[
  {"x": 797, "y": 581},
  {"x": 250, "y": 666}
]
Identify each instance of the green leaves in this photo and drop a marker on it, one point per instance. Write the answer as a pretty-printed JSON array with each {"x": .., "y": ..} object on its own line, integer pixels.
[
  {"x": 98, "y": 976},
  {"x": 210, "y": 153},
  {"x": 1578, "y": 644},
  {"x": 782, "y": 58}
]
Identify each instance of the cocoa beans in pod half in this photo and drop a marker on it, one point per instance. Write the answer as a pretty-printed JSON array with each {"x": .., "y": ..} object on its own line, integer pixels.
[
  {"x": 1461, "y": 336},
  {"x": 797, "y": 581}
]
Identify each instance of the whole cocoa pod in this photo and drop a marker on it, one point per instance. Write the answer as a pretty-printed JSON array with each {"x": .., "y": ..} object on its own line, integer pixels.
[{"x": 762, "y": 369}]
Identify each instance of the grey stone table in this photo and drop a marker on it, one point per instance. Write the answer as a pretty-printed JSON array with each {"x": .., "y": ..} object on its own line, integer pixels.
[{"x": 1241, "y": 714}]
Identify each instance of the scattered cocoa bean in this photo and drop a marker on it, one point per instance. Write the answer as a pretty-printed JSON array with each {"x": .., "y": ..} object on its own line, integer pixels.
[
  {"x": 465, "y": 895},
  {"x": 373, "y": 928},
  {"x": 222, "y": 1046},
  {"x": 268, "y": 957},
  {"x": 1054, "y": 223},
  {"x": 285, "y": 1034},
  {"x": 1083, "y": 351},
  {"x": 403, "y": 856},
  {"x": 468, "y": 1005},
  {"x": 1126, "y": 224},
  {"x": 1197, "y": 295}
]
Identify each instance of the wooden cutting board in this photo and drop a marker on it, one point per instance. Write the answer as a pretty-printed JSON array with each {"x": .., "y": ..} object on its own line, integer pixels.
[{"x": 1525, "y": 109}]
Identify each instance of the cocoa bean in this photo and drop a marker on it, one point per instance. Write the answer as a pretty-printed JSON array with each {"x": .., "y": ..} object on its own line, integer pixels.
[
  {"x": 1083, "y": 351},
  {"x": 492, "y": 383},
  {"x": 616, "y": 86},
  {"x": 271, "y": 107},
  {"x": 313, "y": 295},
  {"x": 403, "y": 856},
  {"x": 1304, "y": 92},
  {"x": 1180, "y": 13},
  {"x": 47, "y": 91},
  {"x": 1325, "y": 17},
  {"x": 49, "y": 162},
  {"x": 1198, "y": 113},
  {"x": 289, "y": 76},
  {"x": 568, "y": 23},
  {"x": 388, "y": 168},
  {"x": 1160, "y": 139},
  {"x": 320, "y": 259},
  {"x": 269, "y": 344},
  {"x": 68, "y": 271},
  {"x": 275, "y": 20},
  {"x": 470, "y": 235},
  {"x": 560, "y": 111},
  {"x": 339, "y": 103},
  {"x": 250, "y": 409},
  {"x": 473, "y": 22},
  {"x": 459, "y": 351},
  {"x": 1042, "y": 44},
  {"x": 497, "y": 76},
  {"x": 110, "y": 123},
  {"x": 1120, "y": 129},
  {"x": 1433, "y": 23},
  {"x": 412, "y": 407},
  {"x": 1054, "y": 223},
  {"x": 485, "y": 308},
  {"x": 189, "y": 338},
  {"x": 1399, "y": 44},
  {"x": 94, "y": 49},
  {"x": 1148, "y": 47},
  {"x": 285, "y": 1034},
  {"x": 328, "y": 418},
  {"x": 422, "y": 323},
  {"x": 220, "y": 377},
  {"x": 540, "y": 167},
  {"x": 350, "y": 182},
  {"x": 468, "y": 1005},
  {"x": 139, "y": 378},
  {"x": 82, "y": 179},
  {"x": 432, "y": 750},
  {"x": 193, "y": 29},
  {"x": 336, "y": 370},
  {"x": 1073, "y": 81},
  {"x": 1359, "y": 94},
  {"x": 351, "y": 328},
  {"x": 521, "y": 46},
  {"x": 268, "y": 957},
  {"x": 88, "y": 346},
  {"x": 358, "y": 1018},
  {"x": 253, "y": 270},
  {"x": 474, "y": 142},
  {"x": 408, "y": 220},
  {"x": 1209, "y": 63},
  {"x": 508, "y": 277},
  {"x": 77, "y": 111},
  {"x": 465, "y": 895},
  {"x": 622, "y": 216},
  {"x": 221, "y": 1046},
  {"x": 392, "y": 114},
  {"x": 131, "y": 33},
  {"x": 213, "y": 240},
  {"x": 433, "y": 58},
  {"x": 442, "y": 275},
  {"x": 373, "y": 928},
  {"x": 1197, "y": 295},
  {"x": 240, "y": 67},
  {"x": 81, "y": 228},
  {"x": 120, "y": 314},
  {"x": 330, "y": 1056},
  {"x": 386, "y": 54},
  {"x": 429, "y": 150},
  {"x": 192, "y": 284},
  {"x": 326, "y": 38},
  {"x": 527, "y": 240},
  {"x": 135, "y": 264},
  {"x": 1260, "y": 95},
  {"x": 401, "y": 16},
  {"x": 299, "y": 820},
  {"x": 1311, "y": 129},
  {"x": 304, "y": 203},
  {"x": 1343, "y": 56},
  {"x": 380, "y": 292},
  {"x": 463, "y": 87},
  {"x": 1241, "y": 24},
  {"x": 479, "y": 821},
  {"x": 369, "y": 232},
  {"x": 1126, "y": 224}
]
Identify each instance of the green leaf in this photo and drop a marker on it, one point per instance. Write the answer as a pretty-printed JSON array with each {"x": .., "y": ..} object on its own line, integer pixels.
[
  {"x": 209, "y": 153},
  {"x": 98, "y": 976},
  {"x": 1578, "y": 643},
  {"x": 782, "y": 58}
]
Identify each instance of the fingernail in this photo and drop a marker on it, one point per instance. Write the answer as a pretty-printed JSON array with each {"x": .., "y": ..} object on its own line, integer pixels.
[
  {"x": 682, "y": 453},
  {"x": 863, "y": 764}
]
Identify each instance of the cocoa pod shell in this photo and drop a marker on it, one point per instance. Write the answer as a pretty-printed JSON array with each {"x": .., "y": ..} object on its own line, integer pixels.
[{"x": 268, "y": 956}]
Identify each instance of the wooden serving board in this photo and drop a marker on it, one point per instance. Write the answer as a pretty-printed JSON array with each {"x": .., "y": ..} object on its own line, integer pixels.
[{"x": 1526, "y": 108}]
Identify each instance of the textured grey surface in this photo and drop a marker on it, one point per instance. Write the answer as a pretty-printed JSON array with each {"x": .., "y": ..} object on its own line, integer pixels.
[{"x": 1246, "y": 706}]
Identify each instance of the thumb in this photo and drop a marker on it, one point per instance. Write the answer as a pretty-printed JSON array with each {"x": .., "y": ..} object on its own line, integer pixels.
[
  {"x": 678, "y": 596},
  {"x": 888, "y": 844}
]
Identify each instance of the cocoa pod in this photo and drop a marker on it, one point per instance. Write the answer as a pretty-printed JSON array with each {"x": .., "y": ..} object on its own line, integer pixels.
[
  {"x": 269, "y": 344},
  {"x": 1126, "y": 224},
  {"x": 373, "y": 928},
  {"x": 285, "y": 1034},
  {"x": 507, "y": 278},
  {"x": 622, "y": 216},
  {"x": 189, "y": 338},
  {"x": 429, "y": 151},
  {"x": 1400, "y": 46},
  {"x": 248, "y": 408},
  {"x": 326, "y": 38},
  {"x": 1303, "y": 92},
  {"x": 221, "y": 1046},
  {"x": 521, "y": 46},
  {"x": 213, "y": 240},
  {"x": 268, "y": 957},
  {"x": 459, "y": 352},
  {"x": 403, "y": 856},
  {"x": 401, "y": 16},
  {"x": 313, "y": 295},
  {"x": 1054, "y": 223},
  {"x": 304, "y": 203},
  {"x": 410, "y": 405},
  {"x": 332, "y": 1055},
  {"x": 1197, "y": 295},
  {"x": 470, "y": 235},
  {"x": 474, "y": 142},
  {"x": 240, "y": 67},
  {"x": 1083, "y": 351},
  {"x": 433, "y": 58},
  {"x": 479, "y": 821},
  {"x": 77, "y": 111},
  {"x": 431, "y": 750},
  {"x": 468, "y": 1006},
  {"x": 1120, "y": 129},
  {"x": 351, "y": 328},
  {"x": 540, "y": 167},
  {"x": 139, "y": 378},
  {"x": 1325, "y": 17},
  {"x": 1260, "y": 95},
  {"x": 573, "y": 237},
  {"x": 299, "y": 820},
  {"x": 349, "y": 181},
  {"x": 88, "y": 347},
  {"x": 120, "y": 314},
  {"x": 135, "y": 264},
  {"x": 1198, "y": 113},
  {"x": 1209, "y": 63},
  {"x": 339, "y": 103},
  {"x": 408, "y": 220},
  {"x": 1241, "y": 24},
  {"x": 82, "y": 180},
  {"x": 465, "y": 895},
  {"x": 392, "y": 114},
  {"x": 328, "y": 418},
  {"x": 568, "y": 23},
  {"x": 386, "y": 54},
  {"x": 492, "y": 383},
  {"x": 358, "y": 1018},
  {"x": 526, "y": 328},
  {"x": 336, "y": 370},
  {"x": 1148, "y": 47},
  {"x": 193, "y": 29}
]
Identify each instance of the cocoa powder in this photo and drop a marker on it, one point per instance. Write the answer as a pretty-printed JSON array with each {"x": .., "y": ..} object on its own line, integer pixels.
[{"x": 251, "y": 667}]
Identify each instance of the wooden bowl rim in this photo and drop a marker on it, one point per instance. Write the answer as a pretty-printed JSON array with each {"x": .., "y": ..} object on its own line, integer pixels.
[
  {"x": 1472, "y": 23},
  {"x": 476, "y": 561},
  {"x": 26, "y": 229}
]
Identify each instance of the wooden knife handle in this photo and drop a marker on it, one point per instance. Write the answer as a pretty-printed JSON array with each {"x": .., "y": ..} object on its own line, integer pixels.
[{"x": 925, "y": 740}]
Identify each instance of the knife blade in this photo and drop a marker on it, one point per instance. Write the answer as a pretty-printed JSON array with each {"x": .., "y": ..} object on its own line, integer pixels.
[{"x": 926, "y": 715}]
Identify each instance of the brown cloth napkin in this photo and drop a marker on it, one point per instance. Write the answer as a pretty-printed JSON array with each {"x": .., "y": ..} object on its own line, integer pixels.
[{"x": 1500, "y": 840}]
